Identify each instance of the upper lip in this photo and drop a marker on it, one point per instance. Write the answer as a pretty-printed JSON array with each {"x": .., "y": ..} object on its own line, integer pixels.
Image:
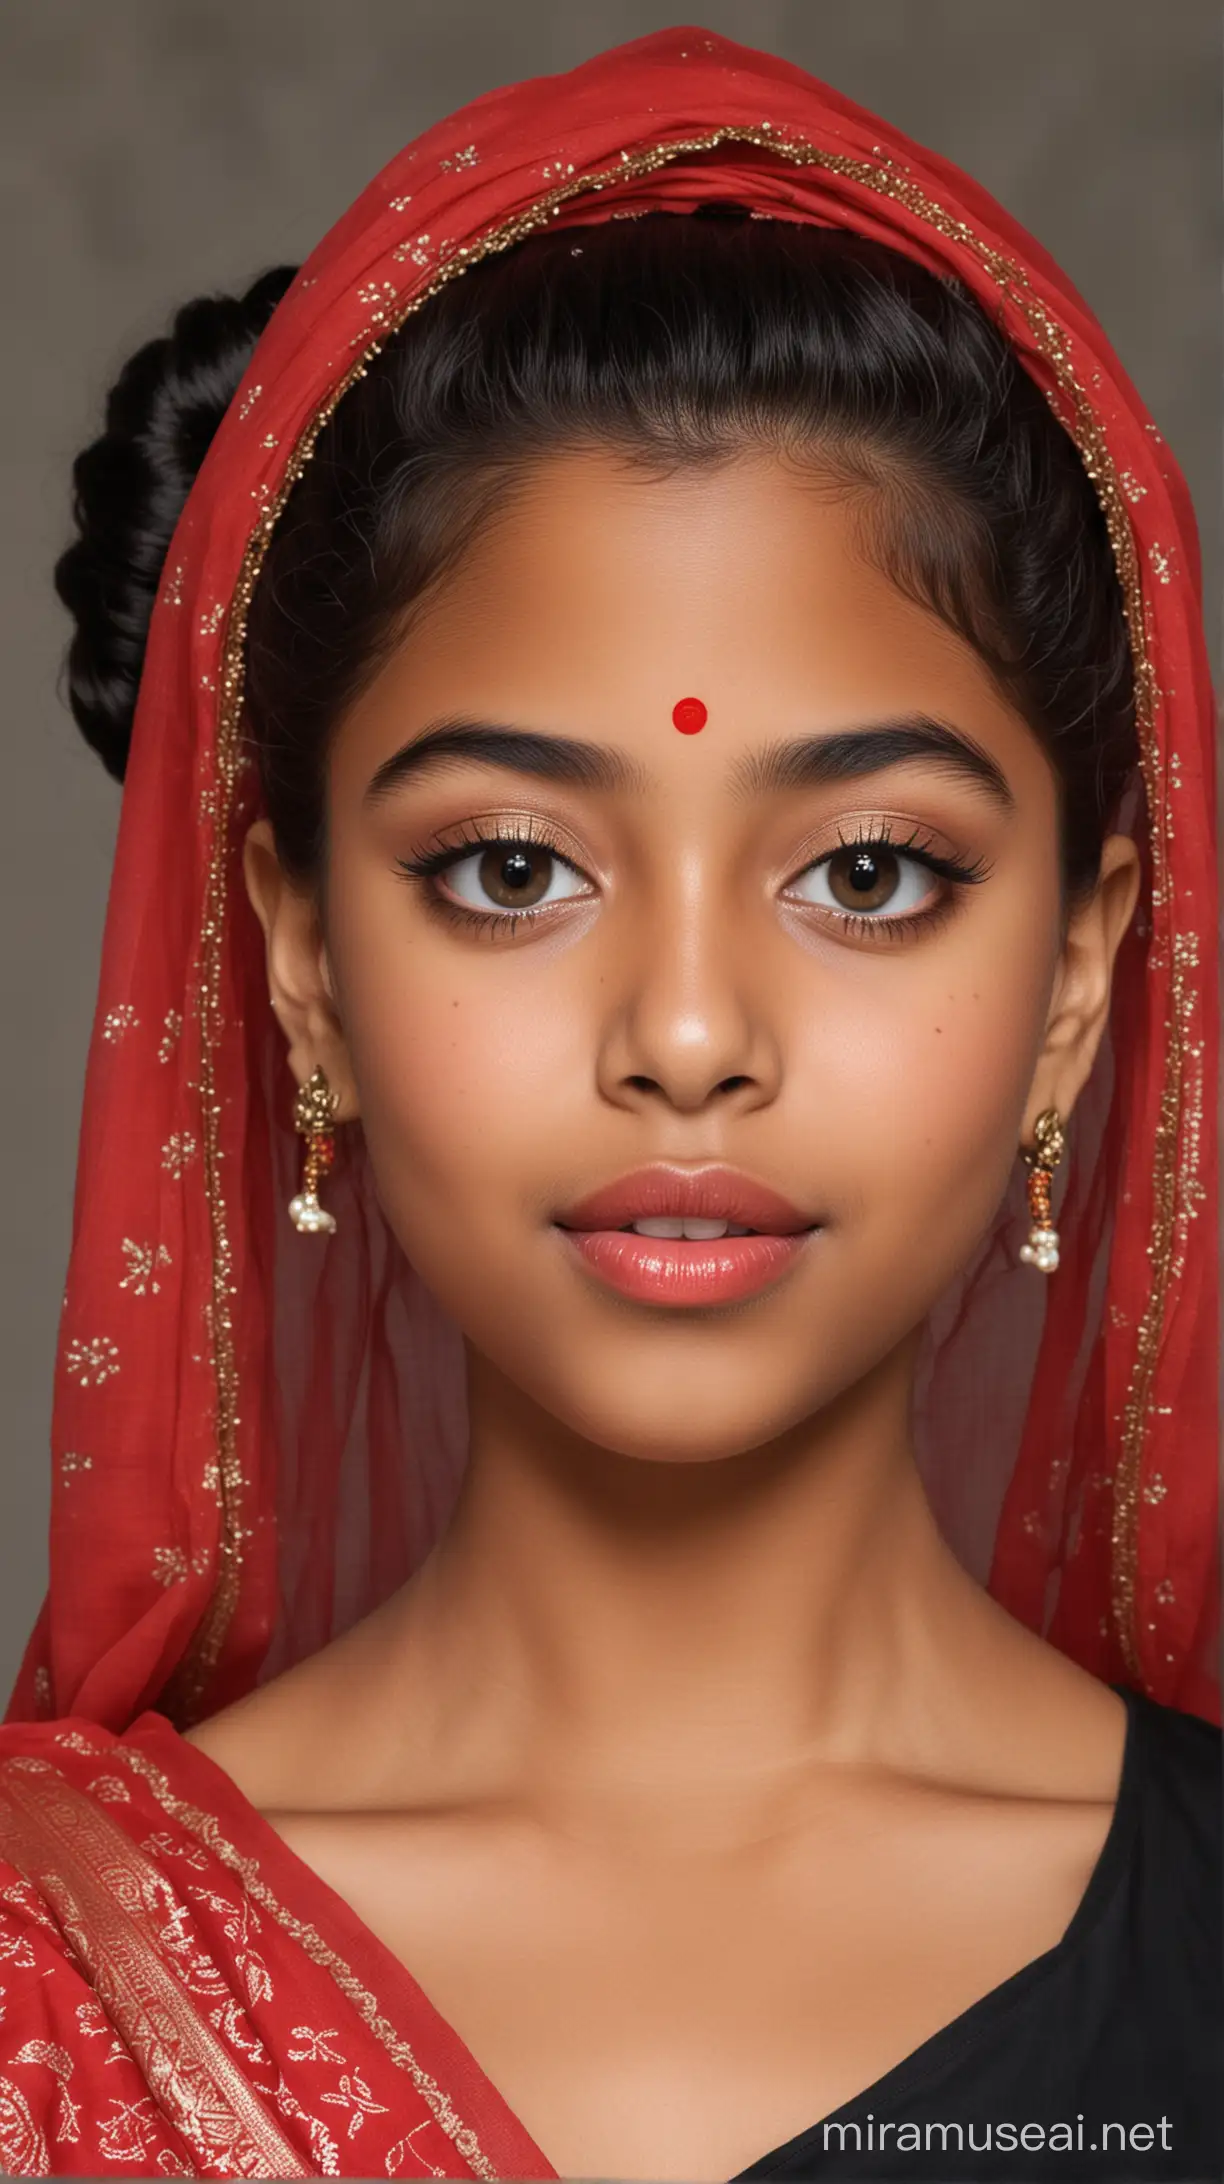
[{"x": 708, "y": 1194}]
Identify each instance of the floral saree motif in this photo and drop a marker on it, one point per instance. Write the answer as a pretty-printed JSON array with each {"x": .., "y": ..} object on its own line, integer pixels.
[{"x": 168, "y": 2010}]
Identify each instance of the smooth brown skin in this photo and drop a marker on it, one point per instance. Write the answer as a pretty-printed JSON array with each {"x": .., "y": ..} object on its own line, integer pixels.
[{"x": 691, "y": 1777}]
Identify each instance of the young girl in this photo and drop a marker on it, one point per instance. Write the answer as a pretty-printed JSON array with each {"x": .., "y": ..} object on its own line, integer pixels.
[{"x": 632, "y": 1569}]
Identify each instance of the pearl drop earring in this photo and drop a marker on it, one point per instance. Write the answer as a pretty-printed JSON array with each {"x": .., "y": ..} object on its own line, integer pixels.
[
  {"x": 314, "y": 1114},
  {"x": 1042, "y": 1158}
]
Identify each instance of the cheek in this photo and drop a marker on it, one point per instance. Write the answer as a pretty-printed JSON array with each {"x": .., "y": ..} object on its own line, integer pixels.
[
  {"x": 464, "y": 1064},
  {"x": 457, "y": 1093},
  {"x": 923, "y": 1071}
]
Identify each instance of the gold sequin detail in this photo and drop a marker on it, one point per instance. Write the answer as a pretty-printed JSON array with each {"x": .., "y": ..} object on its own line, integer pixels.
[
  {"x": 885, "y": 178},
  {"x": 178, "y": 1152},
  {"x": 70, "y": 1463},
  {"x": 143, "y": 1261},
  {"x": 170, "y": 1565},
  {"x": 172, "y": 1025},
  {"x": 1161, "y": 563},
  {"x": 93, "y": 1361},
  {"x": 417, "y": 252},
  {"x": 379, "y": 298},
  {"x": 118, "y": 1021}
]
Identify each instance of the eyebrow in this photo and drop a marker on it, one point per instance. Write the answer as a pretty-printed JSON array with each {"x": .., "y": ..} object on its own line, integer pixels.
[
  {"x": 849, "y": 754},
  {"x": 815, "y": 761},
  {"x": 452, "y": 743}
]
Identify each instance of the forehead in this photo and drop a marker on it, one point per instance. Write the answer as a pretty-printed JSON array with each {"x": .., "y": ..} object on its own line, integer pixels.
[{"x": 601, "y": 593}]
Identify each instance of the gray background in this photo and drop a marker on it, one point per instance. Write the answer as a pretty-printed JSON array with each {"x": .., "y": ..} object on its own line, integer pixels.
[{"x": 153, "y": 149}]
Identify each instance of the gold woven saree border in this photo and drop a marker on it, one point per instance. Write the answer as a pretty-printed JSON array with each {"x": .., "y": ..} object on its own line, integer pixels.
[
  {"x": 886, "y": 180},
  {"x": 106, "y": 1893},
  {"x": 207, "y": 1829}
]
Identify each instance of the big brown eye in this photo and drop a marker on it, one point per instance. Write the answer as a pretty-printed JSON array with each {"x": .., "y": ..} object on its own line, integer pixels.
[
  {"x": 516, "y": 878},
  {"x": 512, "y": 876},
  {"x": 868, "y": 879},
  {"x": 863, "y": 877}
]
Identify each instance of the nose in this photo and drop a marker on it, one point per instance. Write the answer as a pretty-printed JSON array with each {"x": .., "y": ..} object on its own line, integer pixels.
[{"x": 687, "y": 1022}]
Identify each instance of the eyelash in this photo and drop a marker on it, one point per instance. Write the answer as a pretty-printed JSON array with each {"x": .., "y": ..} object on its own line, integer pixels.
[
  {"x": 876, "y": 834},
  {"x": 430, "y": 862}
]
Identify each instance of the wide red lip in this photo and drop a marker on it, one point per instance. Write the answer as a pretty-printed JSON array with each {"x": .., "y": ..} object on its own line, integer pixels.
[{"x": 706, "y": 1194}]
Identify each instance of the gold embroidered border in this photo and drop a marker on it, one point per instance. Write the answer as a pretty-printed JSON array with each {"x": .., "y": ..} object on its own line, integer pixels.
[
  {"x": 206, "y": 1827},
  {"x": 105, "y": 1891},
  {"x": 888, "y": 181}
]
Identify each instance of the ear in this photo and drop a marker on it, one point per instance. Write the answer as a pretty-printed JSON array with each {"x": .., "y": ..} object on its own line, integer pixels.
[
  {"x": 299, "y": 976},
  {"x": 1079, "y": 1005}
]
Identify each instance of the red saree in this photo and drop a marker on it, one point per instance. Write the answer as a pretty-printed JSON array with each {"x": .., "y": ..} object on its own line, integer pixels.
[
  {"x": 183, "y": 1997},
  {"x": 257, "y": 1438}
]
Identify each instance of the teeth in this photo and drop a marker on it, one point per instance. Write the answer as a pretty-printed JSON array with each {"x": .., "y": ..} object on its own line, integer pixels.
[{"x": 697, "y": 1232}]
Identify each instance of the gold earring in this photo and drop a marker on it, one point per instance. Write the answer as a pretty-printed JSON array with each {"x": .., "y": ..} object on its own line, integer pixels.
[
  {"x": 1042, "y": 1158},
  {"x": 314, "y": 1114}
]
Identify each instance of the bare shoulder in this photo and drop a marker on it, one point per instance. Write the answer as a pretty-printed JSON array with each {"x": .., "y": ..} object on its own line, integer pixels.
[
  {"x": 285, "y": 1744},
  {"x": 1036, "y": 1724},
  {"x": 247, "y": 1739}
]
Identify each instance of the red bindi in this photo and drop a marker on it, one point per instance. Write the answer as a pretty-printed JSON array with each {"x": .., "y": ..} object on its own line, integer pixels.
[{"x": 688, "y": 715}]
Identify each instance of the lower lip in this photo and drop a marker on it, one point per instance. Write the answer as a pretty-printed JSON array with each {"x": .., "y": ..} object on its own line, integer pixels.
[{"x": 673, "y": 1270}]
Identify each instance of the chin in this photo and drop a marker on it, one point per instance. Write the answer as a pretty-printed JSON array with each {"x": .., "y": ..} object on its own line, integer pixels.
[{"x": 686, "y": 1423}]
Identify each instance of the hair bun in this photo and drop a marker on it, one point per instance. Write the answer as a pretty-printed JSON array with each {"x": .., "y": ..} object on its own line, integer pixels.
[{"x": 129, "y": 489}]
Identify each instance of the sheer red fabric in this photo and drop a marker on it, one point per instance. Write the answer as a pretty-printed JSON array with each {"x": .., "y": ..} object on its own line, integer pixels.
[{"x": 257, "y": 1434}]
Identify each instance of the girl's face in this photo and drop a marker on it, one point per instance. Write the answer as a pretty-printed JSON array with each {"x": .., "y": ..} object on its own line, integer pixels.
[{"x": 818, "y": 942}]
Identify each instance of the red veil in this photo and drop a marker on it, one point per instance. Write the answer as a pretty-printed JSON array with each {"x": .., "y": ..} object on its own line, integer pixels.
[{"x": 257, "y": 1434}]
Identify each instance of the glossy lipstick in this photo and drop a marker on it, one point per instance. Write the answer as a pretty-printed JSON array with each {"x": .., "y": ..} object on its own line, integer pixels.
[{"x": 682, "y": 1270}]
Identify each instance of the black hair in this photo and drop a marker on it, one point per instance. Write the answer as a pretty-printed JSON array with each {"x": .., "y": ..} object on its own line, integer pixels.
[
  {"x": 676, "y": 339},
  {"x": 129, "y": 487}
]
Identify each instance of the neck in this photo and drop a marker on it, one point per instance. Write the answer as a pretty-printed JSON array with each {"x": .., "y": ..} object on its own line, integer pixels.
[{"x": 599, "y": 1625}]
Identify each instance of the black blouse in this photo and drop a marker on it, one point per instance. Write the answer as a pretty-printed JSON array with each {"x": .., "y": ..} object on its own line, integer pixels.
[{"x": 1104, "y": 2058}]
